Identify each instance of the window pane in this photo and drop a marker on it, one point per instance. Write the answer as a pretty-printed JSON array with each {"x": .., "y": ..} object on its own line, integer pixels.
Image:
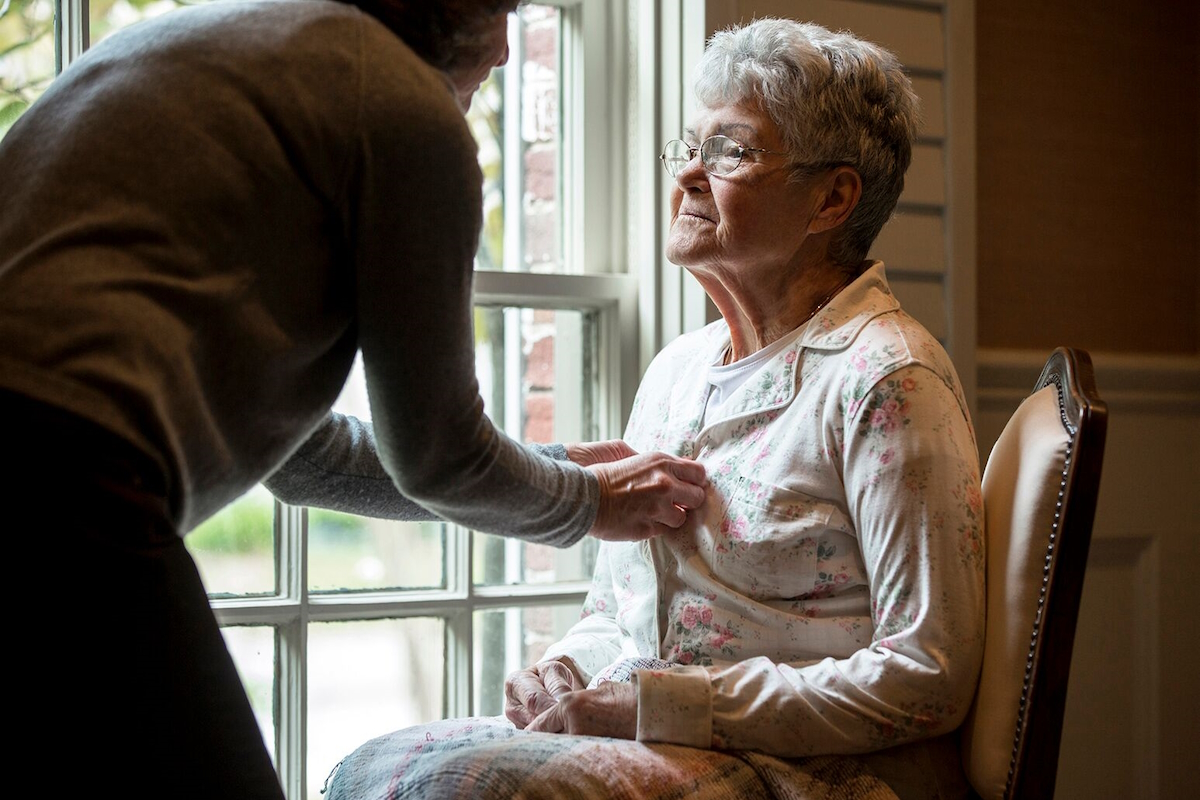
[
  {"x": 253, "y": 651},
  {"x": 26, "y": 56},
  {"x": 366, "y": 679},
  {"x": 357, "y": 553},
  {"x": 539, "y": 378},
  {"x": 509, "y": 639},
  {"x": 235, "y": 548},
  {"x": 516, "y": 120},
  {"x": 501, "y": 561},
  {"x": 106, "y": 16}
]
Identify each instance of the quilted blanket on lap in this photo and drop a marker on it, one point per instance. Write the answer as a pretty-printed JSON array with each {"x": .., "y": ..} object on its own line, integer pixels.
[{"x": 486, "y": 758}]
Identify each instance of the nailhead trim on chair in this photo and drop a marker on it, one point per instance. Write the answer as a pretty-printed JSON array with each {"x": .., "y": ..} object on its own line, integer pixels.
[{"x": 1037, "y": 620}]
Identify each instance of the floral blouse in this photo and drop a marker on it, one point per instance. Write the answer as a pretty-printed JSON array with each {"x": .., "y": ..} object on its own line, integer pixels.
[{"x": 828, "y": 596}]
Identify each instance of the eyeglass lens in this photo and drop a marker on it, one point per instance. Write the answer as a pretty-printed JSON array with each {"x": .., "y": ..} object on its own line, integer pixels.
[{"x": 719, "y": 155}]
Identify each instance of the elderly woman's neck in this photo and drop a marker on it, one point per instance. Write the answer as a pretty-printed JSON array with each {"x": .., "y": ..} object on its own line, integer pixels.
[{"x": 762, "y": 314}]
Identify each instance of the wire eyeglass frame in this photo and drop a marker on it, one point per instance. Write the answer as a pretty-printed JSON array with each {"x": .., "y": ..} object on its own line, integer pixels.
[{"x": 719, "y": 155}]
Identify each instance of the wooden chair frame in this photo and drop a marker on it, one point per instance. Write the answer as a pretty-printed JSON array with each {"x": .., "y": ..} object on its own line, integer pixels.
[{"x": 1034, "y": 765}]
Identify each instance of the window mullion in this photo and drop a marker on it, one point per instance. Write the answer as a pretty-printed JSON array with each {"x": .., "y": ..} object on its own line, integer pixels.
[
  {"x": 513, "y": 155},
  {"x": 291, "y": 641},
  {"x": 459, "y": 678},
  {"x": 70, "y": 31}
]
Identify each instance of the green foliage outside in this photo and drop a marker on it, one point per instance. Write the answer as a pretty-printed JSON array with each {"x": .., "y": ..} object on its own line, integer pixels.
[
  {"x": 246, "y": 527},
  {"x": 28, "y": 52},
  {"x": 242, "y": 527},
  {"x": 26, "y": 56}
]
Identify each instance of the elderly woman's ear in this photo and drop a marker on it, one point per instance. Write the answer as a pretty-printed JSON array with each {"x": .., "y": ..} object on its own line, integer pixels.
[{"x": 838, "y": 194}]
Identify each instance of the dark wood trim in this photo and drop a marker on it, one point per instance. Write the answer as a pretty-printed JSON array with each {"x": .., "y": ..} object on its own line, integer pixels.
[{"x": 1039, "y": 723}]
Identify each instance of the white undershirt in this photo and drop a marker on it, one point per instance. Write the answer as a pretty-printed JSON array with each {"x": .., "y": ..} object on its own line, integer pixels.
[{"x": 725, "y": 380}]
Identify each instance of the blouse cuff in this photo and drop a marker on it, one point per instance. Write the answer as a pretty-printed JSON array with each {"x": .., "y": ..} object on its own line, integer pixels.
[{"x": 675, "y": 706}]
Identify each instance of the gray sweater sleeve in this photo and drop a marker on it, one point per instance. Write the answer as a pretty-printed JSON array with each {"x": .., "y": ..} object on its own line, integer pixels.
[
  {"x": 415, "y": 187},
  {"x": 338, "y": 468}
]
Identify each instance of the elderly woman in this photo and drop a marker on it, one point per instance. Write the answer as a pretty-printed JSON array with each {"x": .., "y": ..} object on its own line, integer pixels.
[{"x": 827, "y": 597}]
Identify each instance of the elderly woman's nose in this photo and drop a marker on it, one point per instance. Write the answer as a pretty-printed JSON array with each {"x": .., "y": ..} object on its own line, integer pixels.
[{"x": 692, "y": 175}]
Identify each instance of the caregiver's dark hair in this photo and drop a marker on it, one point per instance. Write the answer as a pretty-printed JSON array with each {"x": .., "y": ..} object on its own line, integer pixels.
[{"x": 444, "y": 33}]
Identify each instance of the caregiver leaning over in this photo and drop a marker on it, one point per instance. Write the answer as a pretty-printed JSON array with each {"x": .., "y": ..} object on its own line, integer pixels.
[{"x": 201, "y": 221}]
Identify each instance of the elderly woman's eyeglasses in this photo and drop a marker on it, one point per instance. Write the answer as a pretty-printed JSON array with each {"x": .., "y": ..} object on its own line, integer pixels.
[{"x": 719, "y": 155}]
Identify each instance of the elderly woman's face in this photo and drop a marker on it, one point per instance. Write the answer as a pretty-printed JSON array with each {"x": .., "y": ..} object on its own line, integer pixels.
[{"x": 749, "y": 219}]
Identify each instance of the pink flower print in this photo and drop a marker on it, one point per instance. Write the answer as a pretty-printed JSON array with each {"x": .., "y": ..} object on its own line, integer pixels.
[
  {"x": 891, "y": 421},
  {"x": 725, "y": 469},
  {"x": 908, "y": 384},
  {"x": 886, "y": 456},
  {"x": 974, "y": 499},
  {"x": 737, "y": 531},
  {"x": 686, "y": 657},
  {"x": 690, "y": 616},
  {"x": 706, "y": 615},
  {"x": 722, "y": 636},
  {"x": 601, "y": 605},
  {"x": 790, "y": 358},
  {"x": 763, "y": 453}
]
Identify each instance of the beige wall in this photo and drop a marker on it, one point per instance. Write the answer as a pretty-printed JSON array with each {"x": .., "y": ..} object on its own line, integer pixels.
[{"x": 1087, "y": 154}]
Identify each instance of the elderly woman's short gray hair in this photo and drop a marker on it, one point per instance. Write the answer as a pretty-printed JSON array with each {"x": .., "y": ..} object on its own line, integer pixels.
[{"x": 836, "y": 99}]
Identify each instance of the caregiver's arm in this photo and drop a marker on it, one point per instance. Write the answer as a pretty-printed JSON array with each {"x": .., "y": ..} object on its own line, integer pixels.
[
  {"x": 416, "y": 185},
  {"x": 338, "y": 468}
]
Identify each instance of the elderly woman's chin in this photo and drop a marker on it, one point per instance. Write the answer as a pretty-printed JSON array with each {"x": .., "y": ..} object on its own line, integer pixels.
[{"x": 684, "y": 247}]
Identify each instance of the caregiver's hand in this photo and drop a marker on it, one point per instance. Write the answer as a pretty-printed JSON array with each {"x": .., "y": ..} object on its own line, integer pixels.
[
  {"x": 533, "y": 690},
  {"x": 608, "y": 710},
  {"x": 645, "y": 495}
]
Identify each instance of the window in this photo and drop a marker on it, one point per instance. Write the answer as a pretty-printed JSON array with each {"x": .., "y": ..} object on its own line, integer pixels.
[
  {"x": 343, "y": 627},
  {"x": 27, "y": 55}
]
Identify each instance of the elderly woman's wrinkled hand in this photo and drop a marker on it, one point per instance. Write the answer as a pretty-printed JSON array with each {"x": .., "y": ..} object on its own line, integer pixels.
[
  {"x": 645, "y": 495},
  {"x": 608, "y": 710},
  {"x": 533, "y": 690}
]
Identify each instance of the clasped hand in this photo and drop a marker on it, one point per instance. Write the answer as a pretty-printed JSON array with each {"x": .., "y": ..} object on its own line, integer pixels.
[
  {"x": 641, "y": 495},
  {"x": 549, "y": 697}
]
